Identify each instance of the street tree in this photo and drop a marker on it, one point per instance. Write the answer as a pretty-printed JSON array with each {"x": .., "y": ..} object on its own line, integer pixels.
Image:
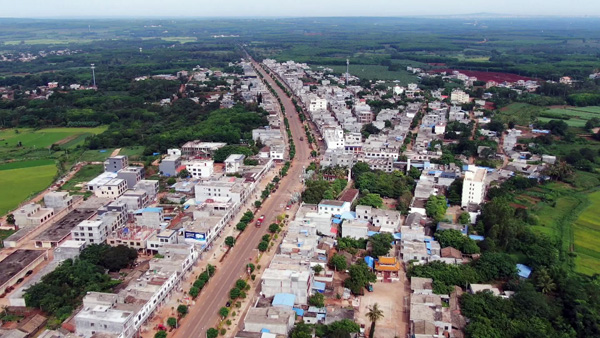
[
  {"x": 230, "y": 241},
  {"x": 172, "y": 322},
  {"x": 374, "y": 314},
  {"x": 182, "y": 310}
]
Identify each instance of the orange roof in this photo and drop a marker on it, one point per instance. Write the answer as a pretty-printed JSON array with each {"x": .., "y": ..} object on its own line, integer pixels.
[
  {"x": 387, "y": 260},
  {"x": 391, "y": 267}
]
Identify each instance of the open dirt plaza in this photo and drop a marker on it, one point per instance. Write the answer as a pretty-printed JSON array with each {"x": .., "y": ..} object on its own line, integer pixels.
[{"x": 392, "y": 300}]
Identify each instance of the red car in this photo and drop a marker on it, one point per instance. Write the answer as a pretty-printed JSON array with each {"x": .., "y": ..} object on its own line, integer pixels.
[{"x": 260, "y": 220}]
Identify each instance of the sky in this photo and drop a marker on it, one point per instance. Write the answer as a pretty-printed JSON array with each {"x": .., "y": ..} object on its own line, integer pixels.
[{"x": 290, "y": 8}]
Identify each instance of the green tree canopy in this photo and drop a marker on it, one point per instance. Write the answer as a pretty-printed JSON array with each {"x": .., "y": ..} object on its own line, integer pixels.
[{"x": 436, "y": 207}]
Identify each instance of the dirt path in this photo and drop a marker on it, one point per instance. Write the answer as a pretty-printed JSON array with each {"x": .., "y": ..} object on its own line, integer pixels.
[{"x": 115, "y": 152}]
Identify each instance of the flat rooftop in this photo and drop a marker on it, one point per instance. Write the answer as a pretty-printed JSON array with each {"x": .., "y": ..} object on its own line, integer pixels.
[
  {"x": 61, "y": 229},
  {"x": 102, "y": 179},
  {"x": 17, "y": 261}
]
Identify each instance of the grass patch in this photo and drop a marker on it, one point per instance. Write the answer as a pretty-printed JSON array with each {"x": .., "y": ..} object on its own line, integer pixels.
[
  {"x": 376, "y": 72},
  {"x": 586, "y": 231},
  {"x": 42, "y": 138},
  {"x": 86, "y": 173},
  {"x": 520, "y": 113},
  {"x": 19, "y": 184}
]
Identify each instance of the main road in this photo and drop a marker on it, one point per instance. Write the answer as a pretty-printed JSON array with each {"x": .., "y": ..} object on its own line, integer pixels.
[{"x": 215, "y": 294}]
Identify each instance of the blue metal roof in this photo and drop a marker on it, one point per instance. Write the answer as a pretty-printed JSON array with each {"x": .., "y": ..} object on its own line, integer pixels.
[
  {"x": 476, "y": 237},
  {"x": 337, "y": 221},
  {"x": 349, "y": 215},
  {"x": 285, "y": 299},
  {"x": 398, "y": 236},
  {"x": 370, "y": 261},
  {"x": 523, "y": 270},
  {"x": 372, "y": 233},
  {"x": 265, "y": 331},
  {"x": 320, "y": 286},
  {"x": 139, "y": 211},
  {"x": 299, "y": 311}
]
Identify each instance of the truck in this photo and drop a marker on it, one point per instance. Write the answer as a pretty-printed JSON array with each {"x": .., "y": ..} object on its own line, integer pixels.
[{"x": 260, "y": 220}]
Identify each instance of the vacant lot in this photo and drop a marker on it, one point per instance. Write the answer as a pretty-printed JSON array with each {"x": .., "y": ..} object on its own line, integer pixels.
[
  {"x": 391, "y": 299},
  {"x": 19, "y": 180},
  {"x": 587, "y": 237},
  {"x": 376, "y": 72},
  {"x": 85, "y": 174},
  {"x": 520, "y": 113}
]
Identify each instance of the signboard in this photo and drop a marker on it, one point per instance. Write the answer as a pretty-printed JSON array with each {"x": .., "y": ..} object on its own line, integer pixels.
[{"x": 195, "y": 235}]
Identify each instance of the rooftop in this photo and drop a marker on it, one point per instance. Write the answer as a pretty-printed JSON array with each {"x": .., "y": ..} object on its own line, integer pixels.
[
  {"x": 62, "y": 228},
  {"x": 16, "y": 262},
  {"x": 332, "y": 202}
]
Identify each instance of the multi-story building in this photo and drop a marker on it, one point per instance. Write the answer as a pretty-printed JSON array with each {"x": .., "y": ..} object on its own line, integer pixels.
[
  {"x": 132, "y": 175},
  {"x": 459, "y": 96},
  {"x": 388, "y": 220},
  {"x": 58, "y": 200},
  {"x": 334, "y": 137},
  {"x": 201, "y": 149},
  {"x": 233, "y": 163},
  {"x": 169, "y": 165},
  {"x": 32, "y": 215},
  {"x": 200, "y": 168},
  {"x": 317, "y": 104},
  {"x": 473, "y": 186},
  {"x": 225, "y": 189},
  {"x": 116, "y": 163}
]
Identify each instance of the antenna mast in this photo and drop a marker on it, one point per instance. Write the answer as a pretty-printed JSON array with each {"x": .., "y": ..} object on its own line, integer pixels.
[
  {"x": 347, "y": 70},
  {"x": 93, "y": 75}
]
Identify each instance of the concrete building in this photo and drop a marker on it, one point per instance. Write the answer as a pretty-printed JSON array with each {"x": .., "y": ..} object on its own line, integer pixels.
[
  {"x": 58, "y": 200},
  {"x": 334, "y": 137},
  {"x": 225, "y": 189},
  {"x": 355, "y": 228},
  {"x": 459, "y": 96},
  {"x": 109, "y": 219},
  {"x": 317, "y": 104},
  {"x": 115, "y": 163},
  {"x": 169, "y": 165},
  {"x": 107, "y": 185},
  {"x": 134, "y": 199},
  {"x": 333, "y": 207},
  {"x": 131, "y": 175},
  {"x": 32, "y": 215},
  {"x": 200, "y": 168},
  {"x": 473, "y": 186},
  {"x": 293, "y": 279},
  {"x": 19, "y": 264},
  {"x": 201, "y": 149},
  {"x": 150, "y": 187},
  {"x": 149, "y": 217},
  {"x": 104, "y": 319},
  {"x": 233, "y": 163},
  {"x": 388, "y": 220},
  {"x": 277, "y": 320}
]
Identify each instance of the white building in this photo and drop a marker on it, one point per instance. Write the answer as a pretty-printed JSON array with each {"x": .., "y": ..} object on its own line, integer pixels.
[
  {"x": 333, "y": 207},
  {"x": 226, "y": 189},
  {"x": 233, "y": 163},
  {"x": 317, "y": 104},
  {"x": 334, "y": 137},
  {"x": 200, "y": 168},
  {"x": 388, "y": 220},
  {"x": 473, "y": 186},
  {"x": 459, "y": 96},
  {"x": 32, "y": 214}
]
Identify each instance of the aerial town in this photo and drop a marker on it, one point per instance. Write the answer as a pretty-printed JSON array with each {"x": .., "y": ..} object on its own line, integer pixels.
[{"x": 281, "y": 198}]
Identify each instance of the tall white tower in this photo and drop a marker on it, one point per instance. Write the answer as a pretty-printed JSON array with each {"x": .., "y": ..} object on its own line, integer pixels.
[
  {"x": 93, "y": 75},
  {"x": 347, "y": 70}
]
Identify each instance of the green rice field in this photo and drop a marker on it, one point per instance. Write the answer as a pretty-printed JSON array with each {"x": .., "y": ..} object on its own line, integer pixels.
[
  {"x": 19, "y": 180},
  {"x": 43, "y": 138},
  {"x": 587, "y": 237}
]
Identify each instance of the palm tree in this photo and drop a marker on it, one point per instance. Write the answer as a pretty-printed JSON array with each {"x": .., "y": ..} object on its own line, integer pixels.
[
  {"x": 544, "y": 281},
  {"x": 374, "y": 315}
]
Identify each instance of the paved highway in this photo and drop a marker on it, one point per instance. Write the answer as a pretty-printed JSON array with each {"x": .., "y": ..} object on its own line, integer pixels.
[{"x": 215, "y": 294}]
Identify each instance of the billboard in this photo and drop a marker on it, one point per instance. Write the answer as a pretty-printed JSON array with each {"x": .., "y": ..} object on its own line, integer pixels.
[{"x": 198, "y": 236}]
